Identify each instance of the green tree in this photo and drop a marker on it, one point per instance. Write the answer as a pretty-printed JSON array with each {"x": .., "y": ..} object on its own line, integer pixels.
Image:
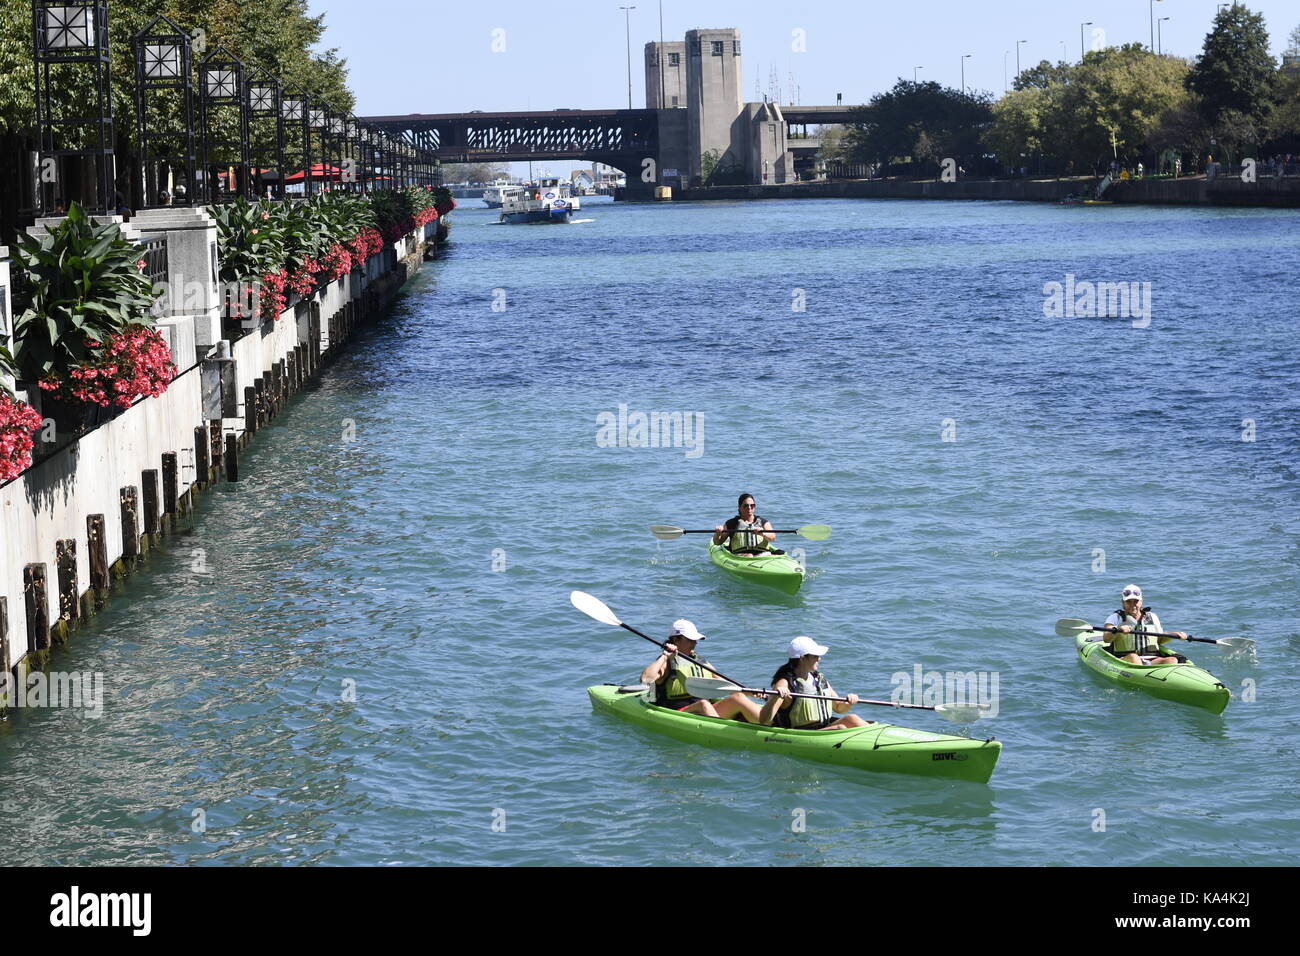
[
  {"x": 923, "y": 121},
  {"x": 1043, "y": 75},
  {"x": 1235, "y": 72}
]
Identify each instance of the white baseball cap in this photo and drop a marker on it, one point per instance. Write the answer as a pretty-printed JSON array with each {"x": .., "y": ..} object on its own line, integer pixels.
[
  {"x": 684, "y": 628},
  {"x": 805, "y": 645},
  {"x": 1132, "y": 591}
]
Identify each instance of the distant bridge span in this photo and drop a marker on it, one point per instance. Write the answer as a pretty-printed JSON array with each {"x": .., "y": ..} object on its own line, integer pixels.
[{"x": 624, "y": 139}]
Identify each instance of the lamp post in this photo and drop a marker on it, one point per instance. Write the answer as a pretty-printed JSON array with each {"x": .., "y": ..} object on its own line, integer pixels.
[
  {"x": 1018, "y": 42},
  {"x": 163, "y": 61},
  {"x": 964, "y": 58},
  {"x": 221, "y": 85},
  {"x": 627, "y": 20},
  {"x": 1160, "y": 43},
  {"x": 72, "y": 33},
  {"x": 1081, "y": 26},
  {"x": 1005, "y": 54},
  {"x": 264, "y": 96},
  {"x": 914, "y": 69}
]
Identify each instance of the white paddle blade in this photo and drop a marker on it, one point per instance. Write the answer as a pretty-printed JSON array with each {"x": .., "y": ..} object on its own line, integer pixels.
[
  {"x": 815, "y": 532},
  {"x": 1072, "y": 627},
  {"x": 666, "y": 532},
  {"x": 710, "y": 687},
  {"x": 593, "y": 607},
  {"x": 1237, "y": 643},
  {"x": 960, "y": 713}
]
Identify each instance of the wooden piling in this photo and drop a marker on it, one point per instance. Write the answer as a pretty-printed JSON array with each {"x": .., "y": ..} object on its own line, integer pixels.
[
  {"x": 6, "y": 659},
  {"x": 202, "y": 473},
  {"x": 232, "y": 458},
  {"x": 214, "y": 445},
  {"x": 250, "y": 409},
  {"x": 38, "y": 615},
  {"x": 97, "y": 551},
  {"x": 65, "y": 562},
  {"x": 149, "y": 486},
  {"x": 130, "y": 524},
  {"x": 171, "y": 486}
]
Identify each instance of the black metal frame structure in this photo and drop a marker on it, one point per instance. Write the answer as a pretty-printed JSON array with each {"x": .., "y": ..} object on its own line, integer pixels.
[
  {"x": 318, "y": 119},
  {"x": 164, "y": 61},
  {"x": 294, "y": 107},
  {"x": 221, "y": 87},
  {"x": 264, "y": 97},
  {"x": 73, "y": 33}
]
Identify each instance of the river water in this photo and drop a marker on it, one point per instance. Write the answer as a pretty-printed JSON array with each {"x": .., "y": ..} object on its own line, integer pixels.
[{"x": 364, "y": 653}]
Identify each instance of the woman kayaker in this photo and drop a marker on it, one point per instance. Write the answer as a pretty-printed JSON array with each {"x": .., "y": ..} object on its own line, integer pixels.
[
  {"x": 799, "y": 675},
  {"x": 1126, "y": 631},
  {"x": 669, "y": 671},
  {"x": 747, "y": 532}
]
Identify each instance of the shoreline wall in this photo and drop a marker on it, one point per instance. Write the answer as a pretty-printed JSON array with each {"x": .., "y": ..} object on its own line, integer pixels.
[
  {"x": 1188, "y": 191},
  {"x": 77, "y": 521}
]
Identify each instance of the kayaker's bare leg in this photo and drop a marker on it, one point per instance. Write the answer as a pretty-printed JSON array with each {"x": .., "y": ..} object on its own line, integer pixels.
[
  {"x": 738, "y": 703},
  {"x": 846, "y": 722},
  {"x": 703, "y": 707}
]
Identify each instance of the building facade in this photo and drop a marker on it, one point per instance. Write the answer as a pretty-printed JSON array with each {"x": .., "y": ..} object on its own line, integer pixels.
[{"x": 665, "y": 75}]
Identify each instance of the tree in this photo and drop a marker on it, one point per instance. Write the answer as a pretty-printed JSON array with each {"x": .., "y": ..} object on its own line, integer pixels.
[
  {"x": 923, "y": 121},
  {"x": 474, "y": 172},
  {"x": 1293, "y": 43},
  {"x": 1235, "y": 71},
  {"x": 1043, "y": 75}
]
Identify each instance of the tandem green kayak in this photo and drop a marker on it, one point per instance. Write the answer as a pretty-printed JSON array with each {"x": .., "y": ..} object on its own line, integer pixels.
[
  {"x": 778, "y": 571},
  {"x": 879, "y": 747},
  {"x": 1183, "y": 683}
]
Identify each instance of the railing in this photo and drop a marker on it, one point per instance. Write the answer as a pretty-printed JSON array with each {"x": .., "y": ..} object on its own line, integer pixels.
[
  {"x": 155, "y": 259},
  {"x": 847, "y": 170}
]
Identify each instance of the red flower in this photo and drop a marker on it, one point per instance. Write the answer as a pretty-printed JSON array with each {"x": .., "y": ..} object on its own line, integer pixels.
[
  {"x": 134, "y": 363},
  {"x": 141, "y": 264}
]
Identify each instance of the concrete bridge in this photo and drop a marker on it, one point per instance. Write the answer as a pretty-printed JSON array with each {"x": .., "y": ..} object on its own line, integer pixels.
[{"x": 695, "y": 120}]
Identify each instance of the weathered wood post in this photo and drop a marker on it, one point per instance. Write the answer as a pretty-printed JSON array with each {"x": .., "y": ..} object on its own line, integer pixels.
[
  {"x": 130, "y": 523},
  {"x": 171, "y": 488},
  {"x": 65, "y": 561},
  {"x": 149, "y": 487},
  {"x": 202, "y": 473},
  {"x": 97, "y": 548},
  {"x": 232, "y": 458},
  {"x": 38, "y": 610},
  {"x": 250, "y": 410}
]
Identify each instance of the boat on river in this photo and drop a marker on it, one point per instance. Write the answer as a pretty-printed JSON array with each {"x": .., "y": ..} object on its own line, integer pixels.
[
  {"x": 496, "y": 194},
  {"x": 549, "y": 200}
]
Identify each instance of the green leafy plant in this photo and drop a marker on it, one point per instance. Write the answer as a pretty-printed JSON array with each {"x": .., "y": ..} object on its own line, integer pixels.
[{"x": 87, "y": 285}]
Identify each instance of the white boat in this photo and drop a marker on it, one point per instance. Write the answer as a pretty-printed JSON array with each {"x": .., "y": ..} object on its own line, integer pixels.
[
  {"x": 496, "y": 194},
  {"x": 550, "y": 200}
]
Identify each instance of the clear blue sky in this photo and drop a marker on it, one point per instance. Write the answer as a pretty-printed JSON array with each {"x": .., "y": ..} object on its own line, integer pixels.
[{"x": 432, "y": 57}]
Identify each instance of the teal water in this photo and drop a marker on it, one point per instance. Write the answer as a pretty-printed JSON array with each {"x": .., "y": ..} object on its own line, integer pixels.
[{"x": 368, "y": 565}]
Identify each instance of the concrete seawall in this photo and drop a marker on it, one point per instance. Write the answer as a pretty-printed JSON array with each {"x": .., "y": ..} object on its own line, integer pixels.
[
  {"x": 79, "y": 520},
  {"x": 1225, "y": 191}
]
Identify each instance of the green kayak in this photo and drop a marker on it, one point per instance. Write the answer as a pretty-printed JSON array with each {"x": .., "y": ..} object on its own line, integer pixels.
[
  {"x": 778, "y": 571},
  {"x": 1184, "y": 683},
  {"x": 880, "y": 747}
]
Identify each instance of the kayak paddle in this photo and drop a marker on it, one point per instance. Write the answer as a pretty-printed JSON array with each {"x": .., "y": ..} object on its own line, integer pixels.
[
  {"x": 813, "y": 532},
  {"x": 594, "y": 607},
  {"x": 1073, "y": 627},
  {"x": 710, "y": 688}
]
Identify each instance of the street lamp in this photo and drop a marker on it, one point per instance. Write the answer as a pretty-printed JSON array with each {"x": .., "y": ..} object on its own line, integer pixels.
[
  {"x": 1151, "y": 8},
  {"x": 1005, "y": 54},
  {"x": 627, "y": 22},
  {"x": 914, "y": 69},
  {"x": 163, "y": 62},
  {"x": 1081, "y": 26},
  {"x": 73, "y": 33},
  {"x": 1160, "y": 43},
  {"x": 964, "y": 58},
  {"x": 1018, "y": 42}
]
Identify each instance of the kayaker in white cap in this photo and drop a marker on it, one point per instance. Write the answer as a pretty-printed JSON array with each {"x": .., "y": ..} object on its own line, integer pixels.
[
  {"x": 799, "y": 675},
  {"x": 669, "y": 671},
  {"x": 747, "y": 532},
  {"x": 1126, "y": 632}
]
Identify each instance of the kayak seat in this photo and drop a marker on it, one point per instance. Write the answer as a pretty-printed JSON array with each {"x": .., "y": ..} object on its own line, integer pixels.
[{"x": 633, "y": 688}]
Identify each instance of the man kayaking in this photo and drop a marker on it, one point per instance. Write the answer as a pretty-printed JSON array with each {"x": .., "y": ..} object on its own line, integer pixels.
[
  {"x": 799, "y": 675},
  {"x": 1126, "y": 632},
  {"x": 669, "y": 671},
  {"x": 747, "y": 532}
]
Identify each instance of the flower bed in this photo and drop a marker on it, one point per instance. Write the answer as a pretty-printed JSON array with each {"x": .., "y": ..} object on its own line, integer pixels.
[
  {"x": 133, "y": 364},
  {"x": 18, "y": 421}
]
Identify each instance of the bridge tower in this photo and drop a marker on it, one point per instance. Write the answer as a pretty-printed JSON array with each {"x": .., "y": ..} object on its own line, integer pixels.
[
  {"x": 713, "y": 100},
  {"x": 665, "y": 68}
]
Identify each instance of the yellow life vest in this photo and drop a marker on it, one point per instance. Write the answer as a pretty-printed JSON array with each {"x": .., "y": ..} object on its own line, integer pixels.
[
  {"x": 743, "y": 537},
  {"x": 673, "y": 686},
  {"x": 803, "y": 712},
  {"x": 1136, "y": 642}
]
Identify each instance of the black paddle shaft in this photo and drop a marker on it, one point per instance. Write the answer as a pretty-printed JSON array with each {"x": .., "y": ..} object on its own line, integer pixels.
[
  {"x": 687, "y": 656},
  {"x": 1202, "y": 640}
]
